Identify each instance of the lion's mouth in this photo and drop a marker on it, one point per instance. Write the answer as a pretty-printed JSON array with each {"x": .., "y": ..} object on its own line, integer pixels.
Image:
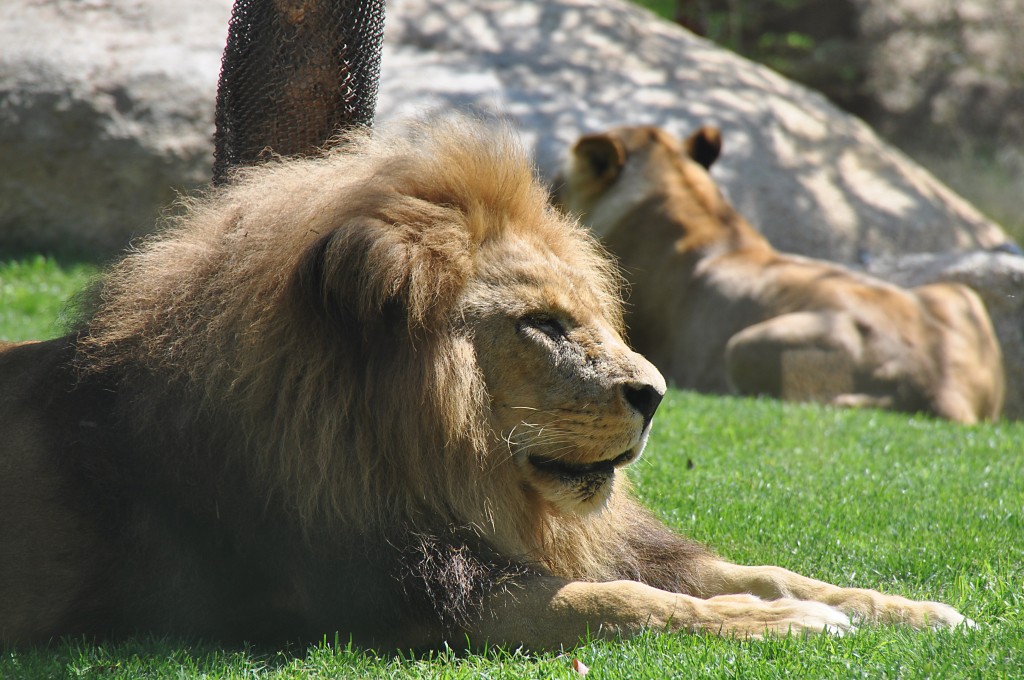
[{"x": 579, "y": 471}]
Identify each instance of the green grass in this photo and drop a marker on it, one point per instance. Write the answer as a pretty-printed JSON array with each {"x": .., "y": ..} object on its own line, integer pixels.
[
  {"x": 33, "y": 292},
  {"x": 663, "y": 8},
  {"x": 908, "y": 505}
]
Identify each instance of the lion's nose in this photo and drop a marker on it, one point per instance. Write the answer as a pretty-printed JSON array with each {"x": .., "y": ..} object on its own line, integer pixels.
[{"x": 644, "y": 398}]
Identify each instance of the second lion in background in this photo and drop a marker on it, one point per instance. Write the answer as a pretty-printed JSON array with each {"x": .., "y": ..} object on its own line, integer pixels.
[{"x": 718, "y": 309}]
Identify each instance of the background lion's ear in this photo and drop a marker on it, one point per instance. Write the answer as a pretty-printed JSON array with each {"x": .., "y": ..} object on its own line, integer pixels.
[
  {"x": 704, "y": 145},
  {"x": 602, "y": 153}
]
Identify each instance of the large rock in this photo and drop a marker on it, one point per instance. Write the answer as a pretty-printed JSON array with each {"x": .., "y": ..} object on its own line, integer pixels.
[
  {"x": 106, "y": 108},
  {"x": 815, "y": 180},
  {"x": 998, "y": 278},
  {"x": 927, "y": 69},
  {"x": 952, "y": 67}
]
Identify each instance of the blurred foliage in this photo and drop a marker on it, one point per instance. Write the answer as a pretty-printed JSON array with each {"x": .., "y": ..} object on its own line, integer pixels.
[
  {"x": 34, "y": 291},
  {"x": 811, "y": 41}
]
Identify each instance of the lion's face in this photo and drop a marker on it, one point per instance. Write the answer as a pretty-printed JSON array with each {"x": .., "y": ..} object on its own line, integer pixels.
[{"x": 570, "y": 401}]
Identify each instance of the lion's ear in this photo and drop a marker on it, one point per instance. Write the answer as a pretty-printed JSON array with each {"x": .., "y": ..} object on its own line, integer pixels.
[
  {"x": 309, "y": 282},
  {"x": 370, "y": 273},
  {"x": 704, "y": 145},
  {"x": 602, "y": 153}
]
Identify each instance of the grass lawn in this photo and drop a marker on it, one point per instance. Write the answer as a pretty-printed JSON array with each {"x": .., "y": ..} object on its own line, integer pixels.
[
  {"x": 907, "y": 505},
  {"x": 33, "y": 292}
]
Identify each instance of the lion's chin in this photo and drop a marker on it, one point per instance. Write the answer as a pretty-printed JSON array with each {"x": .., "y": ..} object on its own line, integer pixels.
[{"x": 577, "y": 487}]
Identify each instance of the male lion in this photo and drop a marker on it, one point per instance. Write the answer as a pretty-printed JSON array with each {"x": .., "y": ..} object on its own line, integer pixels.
[
  {"x": 382, "y": 392},
  {"x": 717, "y": 309}
]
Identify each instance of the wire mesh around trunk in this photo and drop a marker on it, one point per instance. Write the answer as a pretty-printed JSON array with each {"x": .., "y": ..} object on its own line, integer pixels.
[{"x": 294, "y": 73}]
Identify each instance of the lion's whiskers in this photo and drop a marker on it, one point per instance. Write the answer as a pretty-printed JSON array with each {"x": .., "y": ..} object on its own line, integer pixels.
[{"x": 557, "y": 442}]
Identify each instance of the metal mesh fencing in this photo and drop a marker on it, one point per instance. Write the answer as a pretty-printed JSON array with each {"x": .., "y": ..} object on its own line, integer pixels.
[{"x": 295, "y": 73}]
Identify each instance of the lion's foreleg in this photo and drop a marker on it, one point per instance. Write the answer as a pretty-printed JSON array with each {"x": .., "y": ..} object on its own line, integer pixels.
[
  {"x": 547, "y": 613},
  {"x": 720, "y": 578}
]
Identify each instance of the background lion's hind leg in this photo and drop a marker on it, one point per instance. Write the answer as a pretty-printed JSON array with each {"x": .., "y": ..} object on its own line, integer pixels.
[{"x": 802, "y": 356}]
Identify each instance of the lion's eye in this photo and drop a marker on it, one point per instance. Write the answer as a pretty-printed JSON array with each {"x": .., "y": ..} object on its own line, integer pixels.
[{"x": 546, "y": 324}]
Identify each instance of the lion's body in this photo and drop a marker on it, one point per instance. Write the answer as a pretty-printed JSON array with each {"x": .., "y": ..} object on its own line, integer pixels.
[
  {"x": 110, "y": 528},
  {"x": 381, "y": 393},
  {"x": 717, "y": 309}
]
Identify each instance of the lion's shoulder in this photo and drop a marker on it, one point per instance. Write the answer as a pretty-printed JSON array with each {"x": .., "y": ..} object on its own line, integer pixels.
[{"x": 33, "y": 368}]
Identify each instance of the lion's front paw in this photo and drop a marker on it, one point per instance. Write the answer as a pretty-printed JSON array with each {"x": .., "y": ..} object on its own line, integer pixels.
[
  {"x": 938, "y": 615},
  {"x": 806, "y": 616},
  {"x": 874, "y": 606},
  {"x": 749, "y": 616}
]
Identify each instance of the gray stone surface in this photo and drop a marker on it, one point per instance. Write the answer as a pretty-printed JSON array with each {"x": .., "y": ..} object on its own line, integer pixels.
[
  {"x": 954, "y": 67},
  {"x": 919, "y": 70},
  {"x": 998, "y": 278},
  {"x": 106, "y": 108},
  {"x": 815, "y": 180}
]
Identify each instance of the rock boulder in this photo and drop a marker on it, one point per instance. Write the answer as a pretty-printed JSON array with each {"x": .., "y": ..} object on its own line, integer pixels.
[
  {"x": 816, "y": 180},
  {"x": 106, "y": 109}
]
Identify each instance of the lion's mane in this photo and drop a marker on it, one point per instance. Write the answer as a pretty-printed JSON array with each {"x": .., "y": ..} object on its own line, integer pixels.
[{"x": 303, "y": 315}]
